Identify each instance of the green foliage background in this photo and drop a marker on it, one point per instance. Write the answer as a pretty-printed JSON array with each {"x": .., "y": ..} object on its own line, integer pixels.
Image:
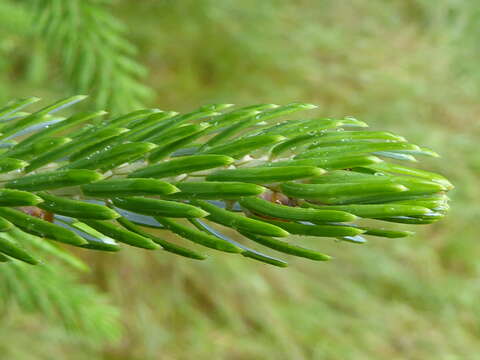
[{"x": 405, "y": 66}]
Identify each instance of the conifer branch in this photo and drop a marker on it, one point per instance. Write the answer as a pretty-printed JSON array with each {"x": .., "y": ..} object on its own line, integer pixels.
[{"x": 96, "y": 183}]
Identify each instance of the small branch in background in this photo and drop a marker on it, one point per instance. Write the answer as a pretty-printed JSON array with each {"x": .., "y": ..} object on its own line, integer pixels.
[{"x": 92, "y": 51}]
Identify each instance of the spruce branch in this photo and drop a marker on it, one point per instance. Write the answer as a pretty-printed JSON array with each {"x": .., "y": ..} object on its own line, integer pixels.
[{"x": 142, "y": 177}]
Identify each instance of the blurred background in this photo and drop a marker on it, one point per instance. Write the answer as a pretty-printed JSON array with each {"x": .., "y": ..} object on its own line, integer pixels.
[{"x": 406, "y": 66}]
